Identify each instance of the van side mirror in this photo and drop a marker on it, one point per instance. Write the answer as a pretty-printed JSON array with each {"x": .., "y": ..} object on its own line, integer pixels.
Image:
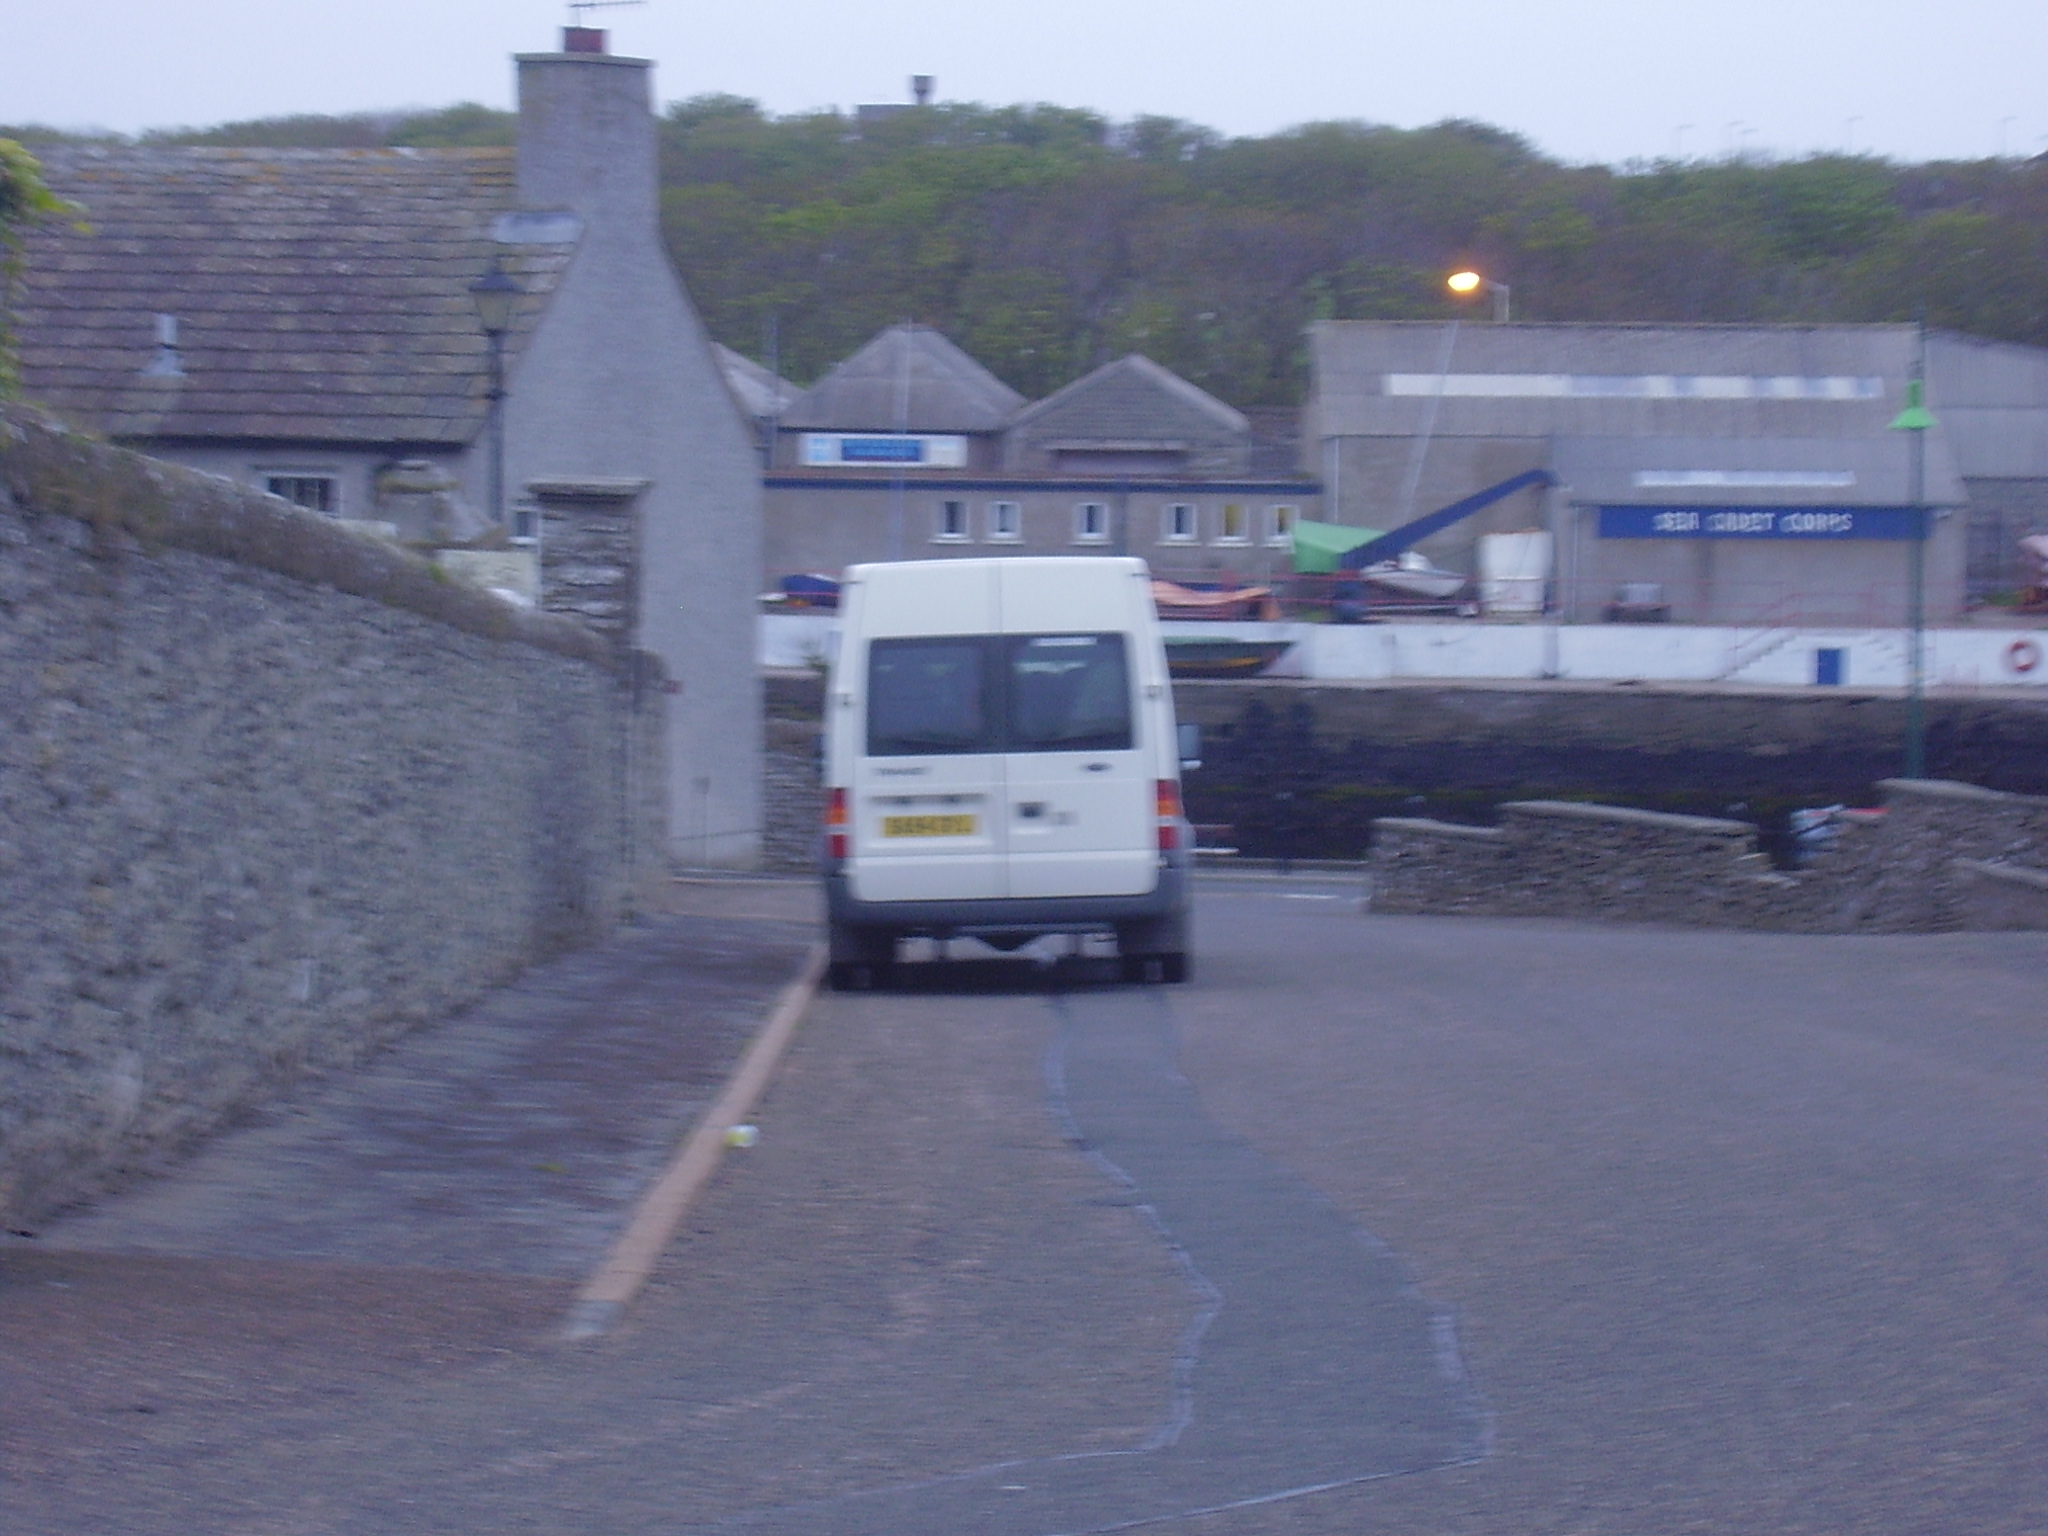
[{"x": 1190, "y": 745}]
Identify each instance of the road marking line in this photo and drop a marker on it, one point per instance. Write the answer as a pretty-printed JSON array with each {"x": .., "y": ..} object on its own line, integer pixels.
[{"x": 607, "y": 1293}]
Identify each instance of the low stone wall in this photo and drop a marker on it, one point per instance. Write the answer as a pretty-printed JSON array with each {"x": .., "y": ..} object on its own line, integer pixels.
[
  {"x": 1420, "y": 865},
  {"x": 1991, "y": 897},
  {"x": 1939, "y": 856},
  {"x": 793, "y": 764},
  {"x": 271, "y": 792}
]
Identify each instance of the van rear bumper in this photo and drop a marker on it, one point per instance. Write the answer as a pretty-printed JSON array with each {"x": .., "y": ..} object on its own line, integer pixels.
[{"x": 1050, "y": 914}]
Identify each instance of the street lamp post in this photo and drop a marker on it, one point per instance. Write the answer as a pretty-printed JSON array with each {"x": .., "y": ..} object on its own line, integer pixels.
[
  {"x": 1468, "y": 282},
  {"x": 1916, "y": 419},
  {"x": 496, "y": 295}
]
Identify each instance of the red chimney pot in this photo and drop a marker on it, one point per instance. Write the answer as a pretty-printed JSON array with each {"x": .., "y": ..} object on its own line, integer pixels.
[{"x": 583, "y": 40}]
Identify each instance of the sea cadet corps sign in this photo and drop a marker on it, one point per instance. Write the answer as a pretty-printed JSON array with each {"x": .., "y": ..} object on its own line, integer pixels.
[{"x": 1760, "y": 522}]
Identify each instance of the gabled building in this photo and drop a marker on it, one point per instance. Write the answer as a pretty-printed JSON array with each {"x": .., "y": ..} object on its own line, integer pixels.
[
  {"x": 907, "y": 398},
  {"x": 304, "y": 321},
  {"x": 1129, "y": 417},
  {"x": 761, "y": 394},
  {"x": 912, "y": 450}
]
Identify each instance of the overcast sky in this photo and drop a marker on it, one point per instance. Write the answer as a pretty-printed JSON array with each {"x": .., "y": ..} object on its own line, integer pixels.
[{"x": 1605, "y": 80}]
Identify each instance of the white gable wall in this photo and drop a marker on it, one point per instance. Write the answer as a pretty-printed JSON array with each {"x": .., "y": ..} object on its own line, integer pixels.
[{"x": 620, "y": 382}]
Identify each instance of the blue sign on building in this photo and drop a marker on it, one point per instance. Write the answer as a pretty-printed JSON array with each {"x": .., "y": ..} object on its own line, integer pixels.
[
  {"x": 881, "y": 450},
  {"x": 1762, "y": 522}
]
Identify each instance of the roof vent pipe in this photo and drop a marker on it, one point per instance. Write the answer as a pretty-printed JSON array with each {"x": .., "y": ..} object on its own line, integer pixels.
[{"x": 168, "y": 363}]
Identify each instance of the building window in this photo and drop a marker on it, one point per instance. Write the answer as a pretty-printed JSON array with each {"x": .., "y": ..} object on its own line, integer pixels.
[
  {"x": 951, "y": 527},
  {"x": 1237, "y": 524},
  {"x": 1091, "y": 522},
  {"x": 1179, "y": 524},
  {"x": 1280, "y": 523},
  {"x": 316, "y": 493},
  {"x": 1005, "y": 522}
]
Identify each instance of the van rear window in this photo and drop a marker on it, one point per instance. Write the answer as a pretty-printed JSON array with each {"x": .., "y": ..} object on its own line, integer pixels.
[
  {"x": 1068, "y": 693},
  {"x": 998, "y": 693},
  {"x": 929, "y": 696}
]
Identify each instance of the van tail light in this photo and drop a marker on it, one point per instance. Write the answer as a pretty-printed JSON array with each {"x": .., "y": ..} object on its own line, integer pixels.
[
  {"x": 1169, "y": 815},
  {"x": 838, "y": 838}
]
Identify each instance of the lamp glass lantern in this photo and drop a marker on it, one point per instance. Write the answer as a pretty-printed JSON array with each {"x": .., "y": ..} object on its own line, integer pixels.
[
  {"x": 1467, "y": 282},
  {"x": 495, "y": 294}
]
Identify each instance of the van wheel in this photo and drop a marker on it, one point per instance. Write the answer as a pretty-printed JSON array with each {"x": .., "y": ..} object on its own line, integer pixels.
[
  {"x": 862, "y": 958},
  {"x": 853, "y": 976},
  {"x": 1153, "y": 969}
]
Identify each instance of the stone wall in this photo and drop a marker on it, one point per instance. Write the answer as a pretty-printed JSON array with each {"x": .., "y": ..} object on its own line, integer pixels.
[
  {"x": 795, "y": 763},
  {"x": 1992, "y": 896},
  {"x": 1939, "y": 856},
  {"x": 589, "y": 559},
  {"x": 271, "y": 792}
]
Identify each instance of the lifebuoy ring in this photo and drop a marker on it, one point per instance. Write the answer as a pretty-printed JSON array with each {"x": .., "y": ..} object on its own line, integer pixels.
[{"x": 2022, "y": 656}]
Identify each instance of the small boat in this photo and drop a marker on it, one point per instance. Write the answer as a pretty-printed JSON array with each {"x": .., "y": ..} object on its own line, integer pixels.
[
  {"x": 1175, "y": 601},
  {"x": 812, "y": 592},
  {"x": 1412, "y": 575},
  {"x": 1222, "y": 657}
]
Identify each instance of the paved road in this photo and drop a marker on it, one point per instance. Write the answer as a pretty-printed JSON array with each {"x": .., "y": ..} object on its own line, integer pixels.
[{"x": 1626, "y": 1231}]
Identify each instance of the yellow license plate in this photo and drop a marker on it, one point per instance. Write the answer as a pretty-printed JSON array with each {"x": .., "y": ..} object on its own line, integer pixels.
[{"x": 927, "y": 826}]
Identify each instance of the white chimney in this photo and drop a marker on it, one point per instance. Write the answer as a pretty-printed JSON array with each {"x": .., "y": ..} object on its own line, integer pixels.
[{"x": 587, "y": 133}]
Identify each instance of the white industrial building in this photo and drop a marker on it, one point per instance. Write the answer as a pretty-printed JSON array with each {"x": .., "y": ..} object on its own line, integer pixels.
[{"x": 1709, "y": 474}]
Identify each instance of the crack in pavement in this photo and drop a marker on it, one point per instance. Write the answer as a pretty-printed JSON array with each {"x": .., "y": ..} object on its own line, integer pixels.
[{"x": 1312, "y": 1361}]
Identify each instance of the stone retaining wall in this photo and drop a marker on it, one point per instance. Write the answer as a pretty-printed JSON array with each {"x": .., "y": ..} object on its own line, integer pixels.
[
  {"x": 1939, "y": 856},
  {"x": 1992, "y": 896},
  {"x": 271, "y": 792}
]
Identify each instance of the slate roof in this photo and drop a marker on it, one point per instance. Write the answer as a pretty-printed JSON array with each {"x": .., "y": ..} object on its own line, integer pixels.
[
  {"x": 760, "y": 392},
  {"x": 908, "y": 378},
  {"x": 1134, "y": 399},
  {"x": 321, "y": 295}
]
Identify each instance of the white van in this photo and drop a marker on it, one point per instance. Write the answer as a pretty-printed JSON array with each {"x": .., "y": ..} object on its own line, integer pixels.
[{"x": 1001, "y": 761}]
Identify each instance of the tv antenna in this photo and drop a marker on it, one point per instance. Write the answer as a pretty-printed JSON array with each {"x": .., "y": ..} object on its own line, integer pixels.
[{"x": 579, "y": 8}]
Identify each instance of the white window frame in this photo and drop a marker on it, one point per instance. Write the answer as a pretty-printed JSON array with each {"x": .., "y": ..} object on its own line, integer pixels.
[
  {"x": 269, "y": 477},
  {"x": 997, "y": 533},
  {"x": 1244, "y": 534},
  {"x": 1280, "y": 520},
  {"x": 1082, "y": 534},
  {"x": 1169, "y": 534},
  {"x": 962, "y": 533}
]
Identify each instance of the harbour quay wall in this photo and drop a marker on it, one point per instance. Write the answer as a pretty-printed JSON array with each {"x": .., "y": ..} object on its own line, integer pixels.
[
  {"x": 1304, "y": 770},
  {"x": 1937, "y": 856},
  {"x": 272, "y": 792}
]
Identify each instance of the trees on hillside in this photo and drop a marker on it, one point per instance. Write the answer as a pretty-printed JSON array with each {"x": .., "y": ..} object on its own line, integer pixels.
[{"x": 1048, "y": 240}]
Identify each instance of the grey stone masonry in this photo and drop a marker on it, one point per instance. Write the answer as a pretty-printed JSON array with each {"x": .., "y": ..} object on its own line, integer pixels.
[
  {"x": 1436, "y": 866},
  {"x": 589, "y": 552},
  {"x": 795, "y": 771},
  {"x": 271, "y": 792},
  {"x": 1645, "y": 865},
  {"x": 1939, "y": 856},
  {"x": 1992, "y": 896}
]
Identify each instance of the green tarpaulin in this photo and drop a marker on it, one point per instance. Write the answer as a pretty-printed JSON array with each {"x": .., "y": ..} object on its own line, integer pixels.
[{"x": 1317, "y": 545}]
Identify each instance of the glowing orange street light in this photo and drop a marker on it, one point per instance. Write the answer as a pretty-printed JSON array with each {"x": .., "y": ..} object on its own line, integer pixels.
[{"x": 1468, "y": 282}]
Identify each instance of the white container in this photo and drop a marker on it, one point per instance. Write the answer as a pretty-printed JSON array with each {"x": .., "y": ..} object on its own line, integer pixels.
[{"x": 1514, "y": 571}]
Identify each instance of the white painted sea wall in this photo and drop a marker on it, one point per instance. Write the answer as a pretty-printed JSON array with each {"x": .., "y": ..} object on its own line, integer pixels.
[{"x": 1659, "y": 653}]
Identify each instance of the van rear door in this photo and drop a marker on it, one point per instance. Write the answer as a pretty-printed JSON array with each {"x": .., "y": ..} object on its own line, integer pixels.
[
  {"x": 1081, "y": 814},
  {"x": 927, "y": 812}
]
